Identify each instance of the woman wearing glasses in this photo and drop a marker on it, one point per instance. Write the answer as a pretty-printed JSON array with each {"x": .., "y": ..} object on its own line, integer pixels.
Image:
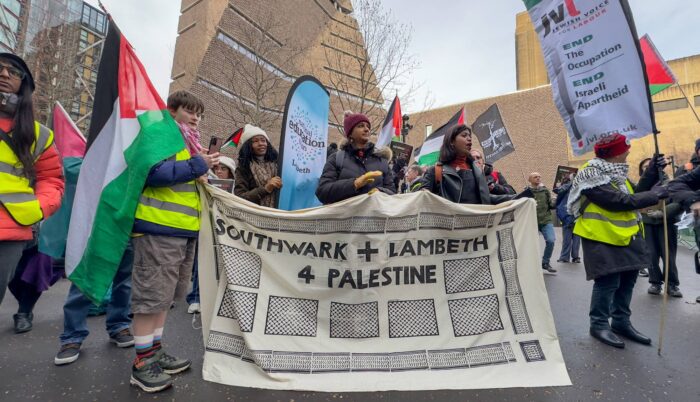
[{"x": 31, "y": 176}]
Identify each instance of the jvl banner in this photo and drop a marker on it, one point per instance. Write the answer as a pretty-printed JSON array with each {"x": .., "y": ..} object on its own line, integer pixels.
[
  {"x": 303, "y": 143},
  {"x": 595, "y": 68},
  {"x": 407, "y": 292}
]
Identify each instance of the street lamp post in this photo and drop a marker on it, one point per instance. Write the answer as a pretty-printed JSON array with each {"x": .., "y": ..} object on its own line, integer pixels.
[{"x": 405, "y": 127}]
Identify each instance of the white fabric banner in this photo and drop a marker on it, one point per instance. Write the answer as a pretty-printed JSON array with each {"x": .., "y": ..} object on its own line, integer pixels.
[
  {"x": 595, "y": 68},
  {"x": 406, "y": 292}
]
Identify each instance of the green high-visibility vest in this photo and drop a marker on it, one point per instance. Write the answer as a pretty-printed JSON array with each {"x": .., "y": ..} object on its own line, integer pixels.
[
  {"x": 16, "y": 192},
  {"x": 599, "y": 224},
  {"x": 175, "y": 206}
]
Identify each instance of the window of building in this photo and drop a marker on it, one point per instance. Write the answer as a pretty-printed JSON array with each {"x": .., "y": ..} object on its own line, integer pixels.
[
  {"x": 93, "y": 18},
  {"x": 9, "y": 20},
  {"x": 672, "y": 104},
  {"x": 428, "y": 129},
  {"x": 697, "y": 100}
]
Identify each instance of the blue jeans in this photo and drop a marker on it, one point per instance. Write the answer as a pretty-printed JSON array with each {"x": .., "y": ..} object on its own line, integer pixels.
[
  {"x": 193, "y": 296},
  {"x": 611, "y": 298},
  {"x": 571, "y": 244},
  {"x": 547, "y": 231},
  {"x": 75, "y": 310}
]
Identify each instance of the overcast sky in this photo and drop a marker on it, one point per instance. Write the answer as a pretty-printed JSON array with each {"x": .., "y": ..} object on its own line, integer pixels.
[{"x": 466, "y": 47}]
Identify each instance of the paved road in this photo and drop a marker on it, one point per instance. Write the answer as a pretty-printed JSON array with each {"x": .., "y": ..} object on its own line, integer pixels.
[{"x": 598, "y": 372}]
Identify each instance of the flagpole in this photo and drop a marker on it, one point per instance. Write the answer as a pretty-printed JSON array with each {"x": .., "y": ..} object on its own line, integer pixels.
[{"x": 689, "y": 103}]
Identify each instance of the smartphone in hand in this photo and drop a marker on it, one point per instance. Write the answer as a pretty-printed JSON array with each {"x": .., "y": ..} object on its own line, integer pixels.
[{"x": 215, "y": 145}]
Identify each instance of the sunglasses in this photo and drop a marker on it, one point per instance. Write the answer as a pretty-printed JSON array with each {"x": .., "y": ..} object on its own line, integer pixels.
[{"x": 12, "y": 71}]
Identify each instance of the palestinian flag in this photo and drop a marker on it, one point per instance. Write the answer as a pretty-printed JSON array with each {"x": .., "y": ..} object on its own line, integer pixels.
[
  {"x": 131, "y": 131},
  {"x": 391, "y": 129},
  {"x": 234, "y": 139},
  {"x": 660, "y": 75},
  {"x": 71, "y": 145},
  {"x": 429, "y": 152}
]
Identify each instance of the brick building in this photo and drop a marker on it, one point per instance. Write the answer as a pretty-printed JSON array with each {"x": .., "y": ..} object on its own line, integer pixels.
[
  {"x": 227, "y": 51},
  {"x": 538, "y": 132}
]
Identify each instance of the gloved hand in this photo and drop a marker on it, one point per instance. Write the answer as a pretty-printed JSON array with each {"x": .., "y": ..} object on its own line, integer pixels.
[
  {"x": 366, "y": 179},
  {"x": 660, "y": 192},
  {"x": 658, "y": 161}
]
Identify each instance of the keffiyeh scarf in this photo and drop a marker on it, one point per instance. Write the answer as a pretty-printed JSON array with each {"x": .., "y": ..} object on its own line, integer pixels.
[
  {"x": 597, "y": 173},
  {"x": 192, "y": 138}
]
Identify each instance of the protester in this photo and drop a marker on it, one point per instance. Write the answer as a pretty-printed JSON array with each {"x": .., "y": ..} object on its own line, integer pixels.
[
  {"x": 457, "y": 177},
  {"x": 685, "y": 190},
  {"x": 693, "y": 163},
  {"x": 256, "y": 175},
  {"x": 77, "y": 307},
  {"x": 331, "y": 149},
  {"x": 165, "y": 238},
  {"x": 653, "y": 219},
  {"x": 605, "y": 204},
  {"x": 31, "y": 176},
  {"x": 358, "y": 167},
  {"x": 571, "y": 243},
  {"x": 545, "y": 204},
  {"x": 495, "y": 180},
  {"x": 412, "y": 179},
  {"x": 224, "y": 170}
]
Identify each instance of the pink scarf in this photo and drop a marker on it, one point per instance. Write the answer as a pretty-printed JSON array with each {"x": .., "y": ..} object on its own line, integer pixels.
[{"x": 191, "y": 137}]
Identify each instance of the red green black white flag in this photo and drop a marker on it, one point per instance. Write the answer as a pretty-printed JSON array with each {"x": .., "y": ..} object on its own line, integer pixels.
[{"x": 659, "y": 73}]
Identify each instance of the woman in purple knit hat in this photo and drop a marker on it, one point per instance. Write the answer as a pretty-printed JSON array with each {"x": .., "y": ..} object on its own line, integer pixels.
[{"x": 358, "y": 167}]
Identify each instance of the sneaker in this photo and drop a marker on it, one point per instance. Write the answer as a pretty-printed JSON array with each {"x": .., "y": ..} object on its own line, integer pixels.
[
  {"x": 68, "y": 354},
  {"x": 193, "y": 308},
  {"x": 673, "y": 291},
  {"x": 643, "y": 272},
  {"x": 171, "y": 364},
  {"x": 149, "y": 376},
  {"x": 576, "y": 260},
  {"x": 654, "y": 289},
  {"x": 564, "y": 261},
  {"x": 123, "y": 338}
]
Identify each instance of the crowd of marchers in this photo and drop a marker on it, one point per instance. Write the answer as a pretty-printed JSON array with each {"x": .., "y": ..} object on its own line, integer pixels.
[{"x": 618, "y": 224}]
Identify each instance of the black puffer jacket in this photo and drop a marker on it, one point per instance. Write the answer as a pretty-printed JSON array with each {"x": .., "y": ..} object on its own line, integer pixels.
[
  {"x": 451, "y": 186},
  {"x": 602, "y": 259},
  {"x": 337, "y": 183}
]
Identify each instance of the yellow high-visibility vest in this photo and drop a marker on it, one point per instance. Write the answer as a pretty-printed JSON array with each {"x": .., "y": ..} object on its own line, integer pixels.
[
  {"x": 16, "y": 192},
  {"x": 599, "y": 224},
  {"x": 175, "y": 206}
]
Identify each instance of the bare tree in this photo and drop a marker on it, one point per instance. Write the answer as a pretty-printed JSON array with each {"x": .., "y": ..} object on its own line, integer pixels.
[
  {"x": 258, "y": 88},
  {"x": 368, "y": 67}
]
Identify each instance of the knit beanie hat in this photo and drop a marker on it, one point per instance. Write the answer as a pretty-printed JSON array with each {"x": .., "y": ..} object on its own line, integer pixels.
[
  {"x": 353, "y": 119},
  {"x": 250, "y": 131},
  {"x": 612, "y": 146}
]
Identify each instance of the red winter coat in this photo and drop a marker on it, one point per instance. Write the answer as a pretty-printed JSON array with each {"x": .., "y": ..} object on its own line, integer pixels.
[{"x": 48, "y": 190}]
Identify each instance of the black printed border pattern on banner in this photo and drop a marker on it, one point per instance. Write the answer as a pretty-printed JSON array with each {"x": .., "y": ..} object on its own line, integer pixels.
[
  {"x": 318, "y": 363},
  {"x": 361, "y": 224}
]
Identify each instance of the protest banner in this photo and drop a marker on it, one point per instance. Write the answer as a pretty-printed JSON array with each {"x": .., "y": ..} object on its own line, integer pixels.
[
  {"x": 595, "y": 67},
  {"x": 401, "y": 151},
  {"x": 303, "y": 143},
  {"x": 406, "y": 292},
  {"x": 563, "y": 172}
]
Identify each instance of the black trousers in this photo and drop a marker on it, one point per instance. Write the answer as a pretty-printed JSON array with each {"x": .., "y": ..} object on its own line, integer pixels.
[{"x": 654, "y": 237}]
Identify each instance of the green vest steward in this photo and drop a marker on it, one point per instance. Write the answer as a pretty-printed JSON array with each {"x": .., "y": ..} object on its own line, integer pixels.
[
  {"x": 599, "y": 224},
  {"x": 16, "y": 192},
  {"x": 175, "y": 206}
]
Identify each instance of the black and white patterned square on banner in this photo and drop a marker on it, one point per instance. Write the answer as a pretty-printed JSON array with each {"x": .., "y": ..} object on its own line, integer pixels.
[
  {"x": 291, "y": 316},
  {"x": 375, "y": 293},
  {"x": 409, "y": 318}
]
